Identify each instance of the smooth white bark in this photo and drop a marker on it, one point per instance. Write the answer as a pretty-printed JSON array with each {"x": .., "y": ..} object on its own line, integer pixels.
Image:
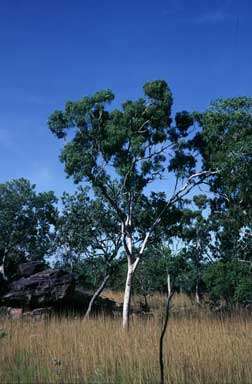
[
  {"x": 2, "y": 267},
  {"x": 127, "y": 297},
  {"x": 3, "y": 272},
  {"x": 95, "y": 295}
]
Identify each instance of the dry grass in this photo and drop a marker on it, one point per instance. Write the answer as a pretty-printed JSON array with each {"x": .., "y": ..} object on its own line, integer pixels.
[
  {"x": 199, "y": 349},
  {"x": 155, "y": 300}
]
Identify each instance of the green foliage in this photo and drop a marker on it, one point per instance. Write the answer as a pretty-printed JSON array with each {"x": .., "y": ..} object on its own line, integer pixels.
[
  {"x": 182, "y": 163},
  {"x": 26, "y": 220},
  {"x": 225, "y": 145},
  {"x": 127, "y": 140},
  {"x": 152, "y": 273},
  {"x": 88, "y": 237},
  {"x": 151, "y": 276},
  {"x": 230, "y": 281},
  {"x": 200, "y": 201},
  {"x": 183, "y": 121},
  {"x": 120, "y": 152}
]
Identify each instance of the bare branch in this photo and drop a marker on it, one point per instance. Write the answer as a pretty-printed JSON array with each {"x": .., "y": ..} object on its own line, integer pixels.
[
  {"x": 184, "y": 190},
  {"x": 142, "y": 126}
]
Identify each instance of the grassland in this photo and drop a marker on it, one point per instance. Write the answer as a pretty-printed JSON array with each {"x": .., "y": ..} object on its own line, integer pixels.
[{"x": 200, "y": 348}]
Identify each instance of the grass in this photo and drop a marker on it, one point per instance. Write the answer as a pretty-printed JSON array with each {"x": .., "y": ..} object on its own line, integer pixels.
[{"x": 199, "y": 348}]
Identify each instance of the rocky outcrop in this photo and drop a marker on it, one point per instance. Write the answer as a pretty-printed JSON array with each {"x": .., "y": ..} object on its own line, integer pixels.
[
  {"x": 40, "y": 289},
  {"x": 56, "y": 289}
]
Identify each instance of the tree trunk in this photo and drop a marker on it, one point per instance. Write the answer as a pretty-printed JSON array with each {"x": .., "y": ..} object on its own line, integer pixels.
[
  {"x": 197, "y": 296},
  {"x": 127, "y": 297},
  {"x": 3, "y": 272},
  {"x": 2, "y": 267},
  {"x": 96, "y": 294},
  {"x": 161, "y": 340},
  {"x": 146, "y": 304}
]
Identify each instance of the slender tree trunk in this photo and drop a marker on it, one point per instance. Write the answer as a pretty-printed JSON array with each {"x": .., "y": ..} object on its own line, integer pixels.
[
  {"x": 164, "y": 329},
  {"x": 197, "y": 296},
  {"x": 3, "y": 272},
  {"x": 2, "y": 268},
  {"x": 96, "y": 294},
  {"x": 146, "y": 304},
  {"x": 127, "y": 297}
]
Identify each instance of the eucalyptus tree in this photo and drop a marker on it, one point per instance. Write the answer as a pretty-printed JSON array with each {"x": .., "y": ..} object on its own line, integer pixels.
[
  {"x": 225, "y": 142},
  {"x": 26, "y": 222},
  {"x": 88, "y": 229},
  {"x": 121, "y": 152}
]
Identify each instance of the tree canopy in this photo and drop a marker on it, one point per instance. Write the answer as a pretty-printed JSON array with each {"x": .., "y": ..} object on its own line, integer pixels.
[
  {"x": 121, "y": 152},
  {"x": 26, "y": 220}
]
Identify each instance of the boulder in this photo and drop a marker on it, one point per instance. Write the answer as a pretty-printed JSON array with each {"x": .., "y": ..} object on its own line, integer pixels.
[
  {"x": 49, "y": 288},
  {"x": 15, "y": 313},
  {"x": 42, "y": 289}
]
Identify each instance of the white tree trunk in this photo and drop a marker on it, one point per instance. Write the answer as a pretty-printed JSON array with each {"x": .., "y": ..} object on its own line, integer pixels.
[
  {"x": 197, "y": 296},
  {"x": 2, "y": 268},
  {"x": 95, "y": 295},
  {"x": 127, "y": 297}
]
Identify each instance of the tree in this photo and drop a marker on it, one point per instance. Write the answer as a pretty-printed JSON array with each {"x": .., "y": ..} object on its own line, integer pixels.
[
  {"x": 225, "y": 142},
  {"x": 89, "y": 229},
  {"x": 197, "y": 236},
  {"x": 151, "y": 275},
  {"x": 229, "y": 282},
  {"x": 121, "y": 152},
  {"x": 26, "y": 220}
]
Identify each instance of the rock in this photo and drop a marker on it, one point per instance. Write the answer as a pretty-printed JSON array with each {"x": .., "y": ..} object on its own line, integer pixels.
[
  {"x": 40, "y": 290},
  {"x": 15, "y": 313},
  {"x": 35, "y": 292},
  {"x": 30, "y": 268}
]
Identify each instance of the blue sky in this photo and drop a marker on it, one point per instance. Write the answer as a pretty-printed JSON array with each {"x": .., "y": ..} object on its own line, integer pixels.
[{"x": 54, "y": 51}]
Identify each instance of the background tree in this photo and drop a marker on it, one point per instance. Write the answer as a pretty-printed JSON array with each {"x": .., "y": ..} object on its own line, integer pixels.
[
  {"x": 197, "y": 238},
  {"x": 229, "y": 283},
  {"x": 151, "y": 276},
  {"x": 225, "y": 143},
  {"x": 226, "y": 129},
  {"x": 26, "y": 220},
  {"x": 121, "y": 152},
  {"x": 89, "y": 236}
]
